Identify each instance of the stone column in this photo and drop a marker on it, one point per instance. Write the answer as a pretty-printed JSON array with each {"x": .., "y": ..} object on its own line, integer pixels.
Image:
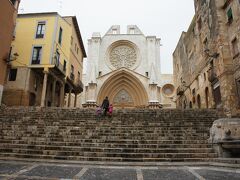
[
  {"x": 44, "y": 88},
  {"x": 69, "y": 97},
  {"x": 53, "y": 92},
  {"x": 62, "y": 94}
]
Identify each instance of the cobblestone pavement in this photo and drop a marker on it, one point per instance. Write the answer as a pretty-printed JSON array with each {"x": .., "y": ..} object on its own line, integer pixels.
[{"x": 11, "y": 170}]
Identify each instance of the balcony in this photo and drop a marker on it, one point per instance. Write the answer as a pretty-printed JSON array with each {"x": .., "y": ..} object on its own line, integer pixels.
[
  {"x": 58, "y": 67},
  {"x": 79, "y": 86},
  {"x": 212, "y": 75}
]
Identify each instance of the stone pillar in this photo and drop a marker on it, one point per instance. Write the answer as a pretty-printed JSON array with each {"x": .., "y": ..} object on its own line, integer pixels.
[
  {"x": 153, "y": 102},
  {"x": 62, "y": 94},
  {"x": 91, "y": 95},
  {"x": 44, "y": 88},
  {"x": 75, "y": 100},
  {"x": 53, "y": 92},
  {"x": 69, "y": 97}
]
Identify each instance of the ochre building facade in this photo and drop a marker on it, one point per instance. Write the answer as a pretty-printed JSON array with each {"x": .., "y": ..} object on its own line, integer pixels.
[
  {"x": 206, "y": 59},
  {"x": 8, "y": 14},
  {"x": 48, "y": 69}
]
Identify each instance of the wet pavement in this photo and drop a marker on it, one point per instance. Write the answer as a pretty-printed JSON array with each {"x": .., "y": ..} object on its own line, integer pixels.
[{"x": 13, "y": 170}]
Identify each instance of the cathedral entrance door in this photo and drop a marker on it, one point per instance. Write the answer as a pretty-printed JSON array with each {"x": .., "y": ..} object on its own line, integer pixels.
[{"x": 124, "y": 90}]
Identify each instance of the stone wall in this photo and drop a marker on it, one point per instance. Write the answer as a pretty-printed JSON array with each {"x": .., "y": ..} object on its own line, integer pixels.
[{"x": 206, "y": 60}]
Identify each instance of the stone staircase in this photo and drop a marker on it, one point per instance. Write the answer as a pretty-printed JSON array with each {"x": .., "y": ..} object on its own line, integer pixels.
[{"x": 138, "y": 135}]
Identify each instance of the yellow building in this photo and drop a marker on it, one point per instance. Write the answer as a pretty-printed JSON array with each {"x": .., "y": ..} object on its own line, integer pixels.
[{"x": 50, "y": 61}]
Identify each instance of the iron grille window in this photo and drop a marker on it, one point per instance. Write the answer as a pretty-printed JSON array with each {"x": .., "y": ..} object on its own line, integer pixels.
[
  {"x": 36, "y": 57},
  {"x": 40, "y": 30}
]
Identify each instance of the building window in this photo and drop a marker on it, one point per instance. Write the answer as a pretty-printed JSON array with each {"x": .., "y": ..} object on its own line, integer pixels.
[
  {"x": 77, "y": 50},
  {"x": 235, "y": 47},
  {"x": 79, "y": 76},
  {"x": 229, "y": 15},
  {"x": 146, "y": 74},
  {"x": 36, "y": 56},
  {"x": 205, "y": 77},
  {"x": 100, "y": 73},
  {"x": 12, "y": 75},
  {"x": 60, "y": 36},
  {"x": 40, "y": 30},
  {"x": 64, "y": 65},
  {"x": 71, "y": 40}
]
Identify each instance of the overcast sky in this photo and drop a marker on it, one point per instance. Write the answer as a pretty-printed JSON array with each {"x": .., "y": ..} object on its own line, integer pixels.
[{"x": 165, "y": 19}]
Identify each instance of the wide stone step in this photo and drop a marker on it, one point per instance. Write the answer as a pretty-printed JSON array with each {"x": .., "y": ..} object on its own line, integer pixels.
[
  {"x": 112, "y": 159},
  {"x": 102, "y": 145},
  {"x": 118, "y": 141},
  {"x": 94, "y": 133},
  {"x": 111, "y": 154},
  {"x": 107, "y": 138},
  {"x": 129, "y": 135},
  {"x": 44, "y": 149}
]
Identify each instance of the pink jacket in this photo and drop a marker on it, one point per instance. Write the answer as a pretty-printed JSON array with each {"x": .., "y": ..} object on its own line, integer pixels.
[{"x": 110, "y": 109}]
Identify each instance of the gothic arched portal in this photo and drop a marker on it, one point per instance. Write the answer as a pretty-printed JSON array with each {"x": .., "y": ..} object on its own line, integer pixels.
[{"x": 123, "y": 90}]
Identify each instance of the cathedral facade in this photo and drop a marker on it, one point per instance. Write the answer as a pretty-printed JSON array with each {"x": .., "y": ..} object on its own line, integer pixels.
[{"x": 126, "y": 68}]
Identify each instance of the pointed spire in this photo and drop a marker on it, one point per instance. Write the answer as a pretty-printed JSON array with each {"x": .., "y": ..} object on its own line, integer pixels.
[{"x": 153, "y": 76}]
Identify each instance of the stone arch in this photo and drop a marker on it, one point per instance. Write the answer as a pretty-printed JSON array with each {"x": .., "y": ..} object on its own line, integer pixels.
[{"x": 124, "y": 80}]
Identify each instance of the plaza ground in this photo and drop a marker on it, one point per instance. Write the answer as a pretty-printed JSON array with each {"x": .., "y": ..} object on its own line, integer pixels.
[{"x": 22, "y": 170}]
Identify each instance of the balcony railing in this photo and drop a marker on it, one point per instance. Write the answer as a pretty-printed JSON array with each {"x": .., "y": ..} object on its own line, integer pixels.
[{"x": 58, "y": 65}]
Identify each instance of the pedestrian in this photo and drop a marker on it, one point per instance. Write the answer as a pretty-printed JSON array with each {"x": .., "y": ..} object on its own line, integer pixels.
[
  {"x": 110, "y": 110},
  {"x": 99, "y": 111},
  {"x": 105, "y": 105}
]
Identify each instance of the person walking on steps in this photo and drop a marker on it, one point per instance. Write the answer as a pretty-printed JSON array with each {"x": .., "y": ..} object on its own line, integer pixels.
[{"x": 105, "y": 106}]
